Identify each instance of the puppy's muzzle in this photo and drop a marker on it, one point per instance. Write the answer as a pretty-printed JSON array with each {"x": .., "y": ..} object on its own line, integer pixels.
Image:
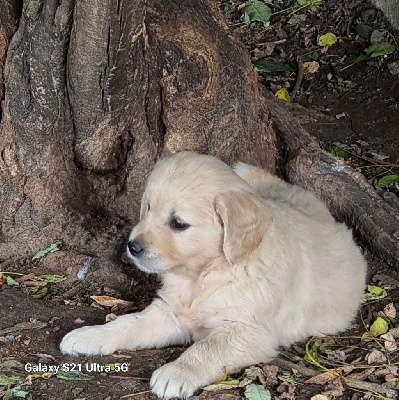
[{"x": 136, "y": 248}]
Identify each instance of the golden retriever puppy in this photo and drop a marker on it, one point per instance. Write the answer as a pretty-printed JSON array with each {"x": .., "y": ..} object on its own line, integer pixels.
[{"x": 248, "y": 263}]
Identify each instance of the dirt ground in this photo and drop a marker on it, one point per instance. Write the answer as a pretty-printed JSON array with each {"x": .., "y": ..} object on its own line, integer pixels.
[{"x": 355, "y": 105}]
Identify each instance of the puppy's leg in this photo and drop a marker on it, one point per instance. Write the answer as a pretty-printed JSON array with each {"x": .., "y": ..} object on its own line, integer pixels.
[
  {"x": 156, "y": 326},
  {"x": 228, "y": 347}
]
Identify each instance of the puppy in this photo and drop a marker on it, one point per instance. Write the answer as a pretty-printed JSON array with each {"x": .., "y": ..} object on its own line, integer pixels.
[{"x": 248, "y": 263}]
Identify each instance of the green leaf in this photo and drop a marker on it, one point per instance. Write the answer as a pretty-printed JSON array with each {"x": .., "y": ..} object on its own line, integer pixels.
[
  {"x": 8, "y": 380},
  {"x": 48, "y": 278},
  {"x": 337, "y": 149},
  {"x": 282, "y": 94},
  {"x": 227, "y": 383},
  {"x": 364, "y": 31},
  {"x": 257, "y": 392},
  {"x": 53, "y": 247},
  {"x": 379, "y": 49},
  {"x": 375, "y": 293},
  {"x": 304, "y": 2},
  {"x": 271, "y": 67},
  {"x": 379, "y": 327},
  {"x": 388, "y": 181},
  {"x": 376, "y": 290},
  {"x": 327, "y": 40},
  {"x": 74, "y": 376},
  {"x": 8, "y": 365},
  {"x": 41, "y": 293},
  {"x": 256, "y": 11},
  {"x": 378, "y": 36},
  {"x": 11, "y": 282},
  {"x": 17, "y": 392}
]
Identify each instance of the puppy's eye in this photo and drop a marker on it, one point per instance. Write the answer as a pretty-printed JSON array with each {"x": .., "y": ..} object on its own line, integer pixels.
[
  {"x": 178, "y": 225},
  {"x": 148, "y": 207}
]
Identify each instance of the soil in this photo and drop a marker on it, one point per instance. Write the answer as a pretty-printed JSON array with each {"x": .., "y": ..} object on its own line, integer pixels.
[{"x": 355, "y": 105}]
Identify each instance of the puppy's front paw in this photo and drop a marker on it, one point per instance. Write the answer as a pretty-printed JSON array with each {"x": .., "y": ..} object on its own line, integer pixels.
[
  {"x": 176, "y": 379},
  {"x": 90, "y": 341}
]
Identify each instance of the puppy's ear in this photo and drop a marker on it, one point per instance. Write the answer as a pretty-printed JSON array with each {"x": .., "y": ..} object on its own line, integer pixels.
[{"x": 245, "y": 222}]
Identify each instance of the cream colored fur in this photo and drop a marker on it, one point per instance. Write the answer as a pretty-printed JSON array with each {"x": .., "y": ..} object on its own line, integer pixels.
[{"x": 262, "y": 264}]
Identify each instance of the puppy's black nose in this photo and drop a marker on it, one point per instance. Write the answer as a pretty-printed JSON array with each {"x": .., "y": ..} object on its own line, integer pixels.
[{"x": 135, "y": 247}]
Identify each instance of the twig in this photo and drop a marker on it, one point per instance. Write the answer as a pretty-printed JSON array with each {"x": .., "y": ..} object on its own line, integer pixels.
[
  {"x": 136, "y": 394},
  {"x": 298, "y": 78}
]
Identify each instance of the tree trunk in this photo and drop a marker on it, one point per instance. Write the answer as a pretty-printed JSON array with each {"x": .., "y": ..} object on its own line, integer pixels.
[{"x": 96, "y": 91}]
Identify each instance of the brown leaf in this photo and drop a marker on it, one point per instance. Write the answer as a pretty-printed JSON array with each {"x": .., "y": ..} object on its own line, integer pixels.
[
  {"x": 108, "y": 301},
  {"x": 390, "y": 311},
  {"x": 321, "y": 379},
  {"x": 270, "y": 375}
]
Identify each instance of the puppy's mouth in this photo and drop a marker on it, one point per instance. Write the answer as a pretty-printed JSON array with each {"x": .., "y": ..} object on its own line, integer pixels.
[{"x": 146, "y": 262}]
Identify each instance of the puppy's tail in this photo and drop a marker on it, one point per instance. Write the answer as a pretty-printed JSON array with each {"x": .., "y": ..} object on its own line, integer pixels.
[{"x": 256, "y": 177}]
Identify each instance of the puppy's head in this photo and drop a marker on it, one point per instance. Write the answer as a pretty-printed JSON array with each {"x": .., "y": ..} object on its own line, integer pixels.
[{"x": 194, "y": 210}]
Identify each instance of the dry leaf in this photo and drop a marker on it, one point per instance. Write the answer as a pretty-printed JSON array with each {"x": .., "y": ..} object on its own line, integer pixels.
[
  {"x": 319, "y": 397},
  {"x": 321, "y": 379},
  {"x": 310, "y": 67},
  {"x": 361, "y": 375},
  {"x": 108, "y": 301},
  {"x": 395, "y": 332},
  {"x": 376, "y": 357},
  {"x": 270, "y": 373},
  {"x": 390, "y": 311},
  {"x": 389, "y": 342}
]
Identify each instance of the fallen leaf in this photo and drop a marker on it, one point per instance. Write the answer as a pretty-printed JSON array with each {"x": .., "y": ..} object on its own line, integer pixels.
[
  {"x": 364, "y": 31},
  {"x": 257, "y": 392},
  {"x": 256, "y": 11},
  {"x": 374, "y": 293},
  {"x": 49, "y": 249},
  {"x": 17, "y": 392},
  {"x": 376, "y": 357},
  {"x": 390, "y": 311},
  {"x": 271, "y": 67},
  {"x": 41, "y": 293},
  {"x": 327, "y": 40},
  {"x": 8, "y": 365},
  {"x": 9, "y": 380},
  {"x": 283, "y": 94},
  {"x": 49, "y": 278},
  {"x": 11, "y": 282},
  {"x": 319, "y": 397},
  {"x": 310, "y": 67},
  {"x": 394, "y": 68},
  {"x": 2, "y": 278},
  {"x": 321, "y": 379},
  {"x": 227, "y": 383},
  {"x": 270, "y": 373},
  {"x": 73, "y": 376},
  {"x": 108, "y": 301},
  {"x": 379, "y": 327},
  {"x": 388, "y": 181},
  {"x": 389, "y": 342},
  {"x": 378, "y": 35}
]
